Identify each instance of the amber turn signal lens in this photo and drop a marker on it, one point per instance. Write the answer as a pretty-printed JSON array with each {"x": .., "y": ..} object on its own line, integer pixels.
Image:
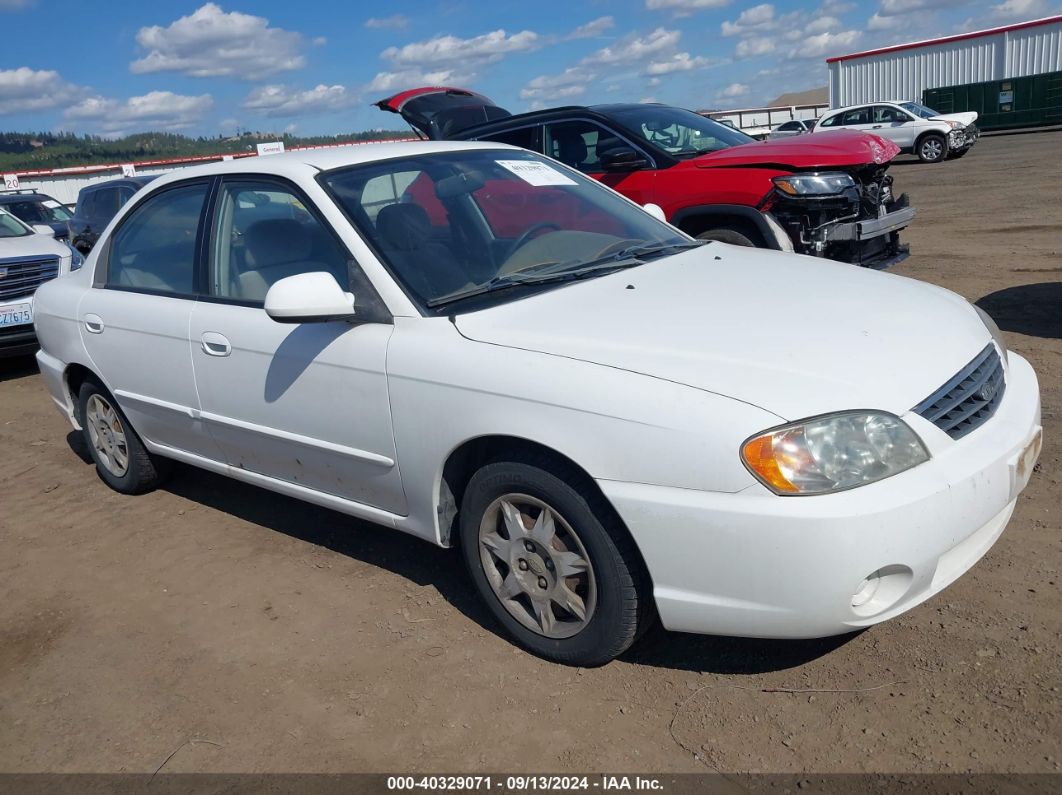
[{"x": 759, "y": 455}]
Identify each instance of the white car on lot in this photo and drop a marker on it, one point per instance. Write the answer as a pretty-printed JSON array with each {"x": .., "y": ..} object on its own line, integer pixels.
[
  {"x": 792, "y": 128},
  {"x": 484, "y": 348},
  {"x": 29, "y": 256},
  {"x": 915, "y": 128}
]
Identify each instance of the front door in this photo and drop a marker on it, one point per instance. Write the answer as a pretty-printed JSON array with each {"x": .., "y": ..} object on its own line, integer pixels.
[
  {"x": 304, "y": 403},
  {"x": 134, "y": 322}
]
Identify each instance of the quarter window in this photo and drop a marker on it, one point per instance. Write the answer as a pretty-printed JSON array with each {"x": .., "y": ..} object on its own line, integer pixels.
[
  {"x": 266, "y": 233},
  {"x": 154, "y": 248},
  {"x": 524, "y": 138}
]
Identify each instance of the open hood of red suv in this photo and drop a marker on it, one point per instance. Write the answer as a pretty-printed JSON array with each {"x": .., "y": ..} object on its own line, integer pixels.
[{"x": 817, "y": 150}]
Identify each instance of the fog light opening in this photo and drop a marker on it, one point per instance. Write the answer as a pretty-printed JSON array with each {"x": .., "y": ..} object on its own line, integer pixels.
[
  {"x": 881, "y": 590},
  {"x": 867, "y": 589}
]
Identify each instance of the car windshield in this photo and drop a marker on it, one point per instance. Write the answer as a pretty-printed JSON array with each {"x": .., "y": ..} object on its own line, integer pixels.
[
  {"x": 11, "y": 226},
  {"x": 919, "y": 110},
  {"x": 38, "y": 211},
  {"x": 456, "y": 225},
  {"x": 680, "y": 133}
]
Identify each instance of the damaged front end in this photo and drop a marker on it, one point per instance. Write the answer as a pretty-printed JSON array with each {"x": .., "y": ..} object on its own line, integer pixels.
[{"x": 850, "y": 215}]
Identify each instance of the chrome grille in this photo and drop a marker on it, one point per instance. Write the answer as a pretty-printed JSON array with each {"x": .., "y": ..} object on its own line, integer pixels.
[
  {"x": 965, "y": 402},
  {"x": 22, "y": 276}
]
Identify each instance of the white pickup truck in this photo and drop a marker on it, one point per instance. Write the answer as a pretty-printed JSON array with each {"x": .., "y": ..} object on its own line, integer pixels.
[{"x": 915, "y": 128}]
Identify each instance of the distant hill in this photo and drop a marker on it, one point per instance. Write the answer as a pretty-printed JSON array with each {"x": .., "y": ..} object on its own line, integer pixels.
[
  {"x": 22, "y": 151},
  {"x": 813, "y": 96}
]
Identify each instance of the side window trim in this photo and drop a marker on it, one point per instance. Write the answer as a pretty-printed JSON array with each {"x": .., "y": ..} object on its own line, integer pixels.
[
  {"x": 102, "y": 276},
  {"x": 274, "y": 181}
]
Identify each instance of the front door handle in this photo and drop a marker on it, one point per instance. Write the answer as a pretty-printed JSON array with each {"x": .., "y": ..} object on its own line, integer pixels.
[
  {"x": 215, "y": 344},
  {"x": 876, "y": 127},
  {"x": 93, "y": 324}
]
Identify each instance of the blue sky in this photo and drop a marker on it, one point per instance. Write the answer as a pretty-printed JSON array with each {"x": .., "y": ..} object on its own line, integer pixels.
[{"x": 314, "y": 67}]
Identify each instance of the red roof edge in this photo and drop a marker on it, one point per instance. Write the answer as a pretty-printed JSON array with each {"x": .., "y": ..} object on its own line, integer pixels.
[{"x": 945, "y": 39}]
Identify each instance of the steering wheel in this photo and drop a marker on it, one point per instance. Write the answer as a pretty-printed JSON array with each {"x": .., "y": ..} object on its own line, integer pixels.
[{"x": 525, "y": 237}]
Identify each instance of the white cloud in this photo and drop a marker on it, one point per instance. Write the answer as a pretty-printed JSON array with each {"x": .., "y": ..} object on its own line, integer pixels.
[
  {"x": 755, "y": 46},
  {"x": 878, "y": 22},
  {"x": 734, "y": 90},
  {"x": 444, "y": 51},
  {"x": 408, "y": 78},
  {"x": 821, "y": 25},
  {"x": 1019, "y": 9},
  {"x": 13, "y": 5},
  {"x": 213, "y": 43},
  {"x": 825, "y": 44},
  {"x": 679, "y": 62},
  {"x": 569, "y": 83},
  {"x": 684, "y": 7},
  {"x": 396, "y": 21},
  {"x": 24, "y": 89},
  {"x": 156, "y": 110},
  {"x": 890, "y": 8},
  {"x": 593, "y": 28},
  {"x": 751, "y": 20},
  {"x": 284, "y": 101},
  {"x": 635, "y": 48}
]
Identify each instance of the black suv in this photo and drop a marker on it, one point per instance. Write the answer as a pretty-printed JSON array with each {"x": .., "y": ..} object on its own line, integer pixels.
[
  {"x": 97, "y": 205},
  {"x": 35, "y": 208}
]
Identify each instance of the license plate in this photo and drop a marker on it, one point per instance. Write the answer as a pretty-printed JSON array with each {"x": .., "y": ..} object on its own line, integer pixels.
[
  {"x": 1022, "y": 466},
  {"x": 16, "y": 315}
]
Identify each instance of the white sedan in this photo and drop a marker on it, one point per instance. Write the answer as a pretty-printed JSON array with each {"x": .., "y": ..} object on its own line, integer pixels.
[{"x": 479, "y": 346}]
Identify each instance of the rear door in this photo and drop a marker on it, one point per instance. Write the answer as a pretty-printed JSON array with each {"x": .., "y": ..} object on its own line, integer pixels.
[
  {"x": 581, "y": 144},
  {"x": 440, "y": 113},
  {"x": 134, "y": 320}
]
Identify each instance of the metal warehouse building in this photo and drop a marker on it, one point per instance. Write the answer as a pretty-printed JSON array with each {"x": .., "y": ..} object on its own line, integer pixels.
[{"x": 906, "y": 71}]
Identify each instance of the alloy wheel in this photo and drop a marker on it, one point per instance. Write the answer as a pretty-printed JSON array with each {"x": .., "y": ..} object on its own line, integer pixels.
[
  {"x": 107, "y": 435},
  {"x": 932, "y": 149},
  {"x": 537, "y": 566}
]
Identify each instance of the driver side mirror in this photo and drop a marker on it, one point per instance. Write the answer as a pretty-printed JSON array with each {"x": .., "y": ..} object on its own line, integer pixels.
[
  {"x": 309, "y": 298},
  {"x": 623, "y": 158}
]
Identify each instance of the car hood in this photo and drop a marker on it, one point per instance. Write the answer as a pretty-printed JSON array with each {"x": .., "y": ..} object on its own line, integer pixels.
[
  {"x": 36, "y": 245},
  {"x": 964, "y": 119},
  {"x": 821, "y": 150},
  {"x": 794, "y": 335}
]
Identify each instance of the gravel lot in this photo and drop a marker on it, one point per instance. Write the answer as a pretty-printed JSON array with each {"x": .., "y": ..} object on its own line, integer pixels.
[{"x": 295, "y": 639}]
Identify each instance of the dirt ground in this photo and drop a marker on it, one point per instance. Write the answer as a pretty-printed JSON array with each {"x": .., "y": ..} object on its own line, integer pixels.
[{"x": 277, "y": 636}]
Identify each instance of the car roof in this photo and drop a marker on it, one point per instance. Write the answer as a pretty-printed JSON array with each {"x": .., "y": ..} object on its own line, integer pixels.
[
  {"x": 9, "y": 198},
  {"x": 862, "y": 105},
  {"x": 305, "y": 162}
]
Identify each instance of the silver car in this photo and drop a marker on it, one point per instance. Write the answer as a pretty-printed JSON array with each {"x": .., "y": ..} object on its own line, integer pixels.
[{"x": 791, "y": 128}]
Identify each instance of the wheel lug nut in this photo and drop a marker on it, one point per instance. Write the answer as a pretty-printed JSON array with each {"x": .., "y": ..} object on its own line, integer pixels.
[
  {"x": 522, "y": 564},
  {"x": 542, "y": 582},
  {"x": 529, "y": 546},
  {"x": 549, "y": 565}
]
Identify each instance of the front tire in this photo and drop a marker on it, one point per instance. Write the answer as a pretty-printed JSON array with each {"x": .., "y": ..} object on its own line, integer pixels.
[
  {"x": 552, "y": 562},
  {"x": 726, "y": 236},
  {"x": 120, "y": 457},
  {"x": 932, "y": 148}
]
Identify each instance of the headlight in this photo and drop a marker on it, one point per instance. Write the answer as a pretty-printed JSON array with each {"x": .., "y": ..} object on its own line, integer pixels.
[
  {"x": 955, "y": 125},
  {"x": 76, "y": 259},
  {"x": 833, "y": 453},
  {"x": 993, "y": 329},
  {"x": 828, "y": 184}
]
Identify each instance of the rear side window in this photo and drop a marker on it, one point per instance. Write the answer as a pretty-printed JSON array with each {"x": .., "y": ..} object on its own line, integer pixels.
[
  {"x": 154, "y": 248},
  {"x": 524, "y": 138},
  {"x": 86, "y": 204},
  {"x": 106, "y": 205},
  {"x": 789, "y": 126},
  {"x": 857, "y": 116}
]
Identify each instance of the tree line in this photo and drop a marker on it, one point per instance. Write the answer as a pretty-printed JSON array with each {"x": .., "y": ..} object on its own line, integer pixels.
[{"x": 23, "y": 151}]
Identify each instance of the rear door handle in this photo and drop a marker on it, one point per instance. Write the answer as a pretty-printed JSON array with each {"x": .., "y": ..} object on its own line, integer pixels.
[
  {"x": 93, "y": 324},
  {"x": 215, "y": 344}
]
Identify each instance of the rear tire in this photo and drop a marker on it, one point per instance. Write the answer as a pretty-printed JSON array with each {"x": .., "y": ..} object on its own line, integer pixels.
[
  {"x": 120, "y": 457},
  {"x": 552, "y": 562},
  {"x": 726, "y": 236},
  {"x": 932, "y": 148}
]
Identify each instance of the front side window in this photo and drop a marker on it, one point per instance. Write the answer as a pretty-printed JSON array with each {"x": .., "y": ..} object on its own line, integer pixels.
[
  {"x": 154, "y": 248},
  {"x": 580, "y": 144},
  {"x": 680, "y": 133},
  {"x": 499, "y": 221},
  {"x": 10, "y": 226},
  {"x": 265, "y": 233},
  {"x": 883, "y": 114}
]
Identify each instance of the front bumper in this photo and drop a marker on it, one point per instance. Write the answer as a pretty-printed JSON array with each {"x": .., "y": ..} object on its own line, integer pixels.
[
  {"x": 963, "y": 138},
  {"x": 17, "y": 340},
  {"x": 759, "y": 565}
]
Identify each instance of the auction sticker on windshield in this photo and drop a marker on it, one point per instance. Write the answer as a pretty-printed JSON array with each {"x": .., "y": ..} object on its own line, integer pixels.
[
  {"x": 16, "y": 315},
  {"x": 534, "y": 173}
]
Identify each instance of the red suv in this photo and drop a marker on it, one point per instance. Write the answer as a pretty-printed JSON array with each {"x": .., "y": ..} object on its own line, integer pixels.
[{"x": 828, "y": 194}]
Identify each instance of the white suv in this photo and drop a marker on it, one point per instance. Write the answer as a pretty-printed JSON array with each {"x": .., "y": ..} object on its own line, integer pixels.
[
  {"x": 915, "y": 128},
  {"x": 29, "y": 256}
]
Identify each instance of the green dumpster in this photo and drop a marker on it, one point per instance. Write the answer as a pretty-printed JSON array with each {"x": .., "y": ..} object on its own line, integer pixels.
[{"x": 1001, "y": 104}]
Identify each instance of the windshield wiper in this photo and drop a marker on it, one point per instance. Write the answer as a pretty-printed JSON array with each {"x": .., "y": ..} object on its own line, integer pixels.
[{"x": 546, "y": 272}]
